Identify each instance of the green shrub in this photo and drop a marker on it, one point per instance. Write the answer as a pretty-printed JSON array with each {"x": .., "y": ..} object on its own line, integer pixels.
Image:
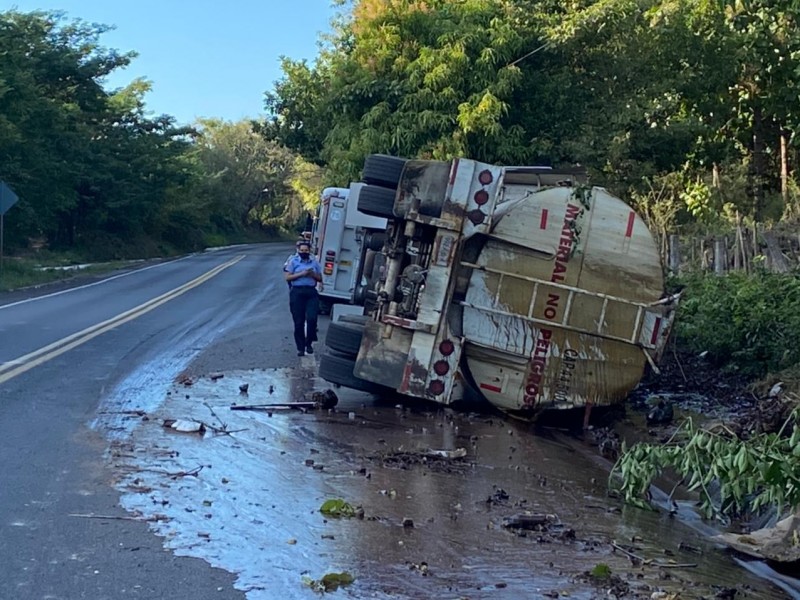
[{"x": 746, "y": 322}]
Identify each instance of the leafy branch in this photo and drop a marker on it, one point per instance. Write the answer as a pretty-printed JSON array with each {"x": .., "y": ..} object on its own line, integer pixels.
[{"x": 731, "y": 475}]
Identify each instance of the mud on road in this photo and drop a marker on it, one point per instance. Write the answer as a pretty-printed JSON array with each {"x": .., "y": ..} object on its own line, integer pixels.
[{"x": 517, "y": 513}]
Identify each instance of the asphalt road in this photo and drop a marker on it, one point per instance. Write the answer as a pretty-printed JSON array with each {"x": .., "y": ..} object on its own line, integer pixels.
[{"x": 61, "y": 354}]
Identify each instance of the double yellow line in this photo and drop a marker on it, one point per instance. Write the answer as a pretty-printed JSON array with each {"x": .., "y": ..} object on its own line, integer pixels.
[{"x": 42, "y": 355}]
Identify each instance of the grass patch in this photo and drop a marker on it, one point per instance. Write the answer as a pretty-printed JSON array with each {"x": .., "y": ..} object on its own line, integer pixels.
[{"x": 17, "y": 273}]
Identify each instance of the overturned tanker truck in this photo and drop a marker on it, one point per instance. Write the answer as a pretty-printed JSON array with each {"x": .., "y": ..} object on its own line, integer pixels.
[{"x": 520, "y": 283}]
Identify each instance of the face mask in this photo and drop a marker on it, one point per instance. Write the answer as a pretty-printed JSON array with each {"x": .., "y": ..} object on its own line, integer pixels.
[{"x": 304, "y": 255}]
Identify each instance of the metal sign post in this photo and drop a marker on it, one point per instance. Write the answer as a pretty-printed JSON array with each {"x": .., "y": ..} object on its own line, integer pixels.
[{"x": 7, "y": 199}]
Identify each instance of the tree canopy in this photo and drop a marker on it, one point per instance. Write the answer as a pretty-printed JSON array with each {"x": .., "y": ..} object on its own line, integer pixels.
[
  {"x": 636, "y": 90},
  {"x": 94, "y": 170}
]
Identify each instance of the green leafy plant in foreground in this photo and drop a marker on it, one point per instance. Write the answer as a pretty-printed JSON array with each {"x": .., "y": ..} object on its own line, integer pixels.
[
  {"x": 601, "y": 571},
  {"x": 731, "y": 475},
  {"x": 330, "y": 582},
  {"x": 336, "y": 507}
]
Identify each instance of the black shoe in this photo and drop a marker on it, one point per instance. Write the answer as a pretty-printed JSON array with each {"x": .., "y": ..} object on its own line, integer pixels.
[
  {"x": 309, "y": 350},
  {"x": 300, "y": 353}
]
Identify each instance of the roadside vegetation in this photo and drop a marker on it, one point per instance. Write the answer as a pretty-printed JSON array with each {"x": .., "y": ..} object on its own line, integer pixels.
[
  {"x": 747, "y": 465},
  {"x": 746, "y": 323},
  {"x": 101, "y": 179}
]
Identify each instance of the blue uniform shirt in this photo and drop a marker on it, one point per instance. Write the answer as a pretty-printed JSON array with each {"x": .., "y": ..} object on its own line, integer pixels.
[{"x": 295, "y": 264}]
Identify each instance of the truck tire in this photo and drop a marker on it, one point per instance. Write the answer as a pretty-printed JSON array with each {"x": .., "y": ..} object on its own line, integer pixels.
[
  {"x": 376, "y": 239},
  {"x": 376, "y": 201},
  {"x": 359, "y": 319},
  {"x": 344, "y": 337},
  {"x": 325, "y": 306},
  {"x": 384, "y": 170},
  {"x": 339, "y": 370}
]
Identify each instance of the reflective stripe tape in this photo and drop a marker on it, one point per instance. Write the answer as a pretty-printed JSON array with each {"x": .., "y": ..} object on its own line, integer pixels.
[{"x": 631, "y": 220}]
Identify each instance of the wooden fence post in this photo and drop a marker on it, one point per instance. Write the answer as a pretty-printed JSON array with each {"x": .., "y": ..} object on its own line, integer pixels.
[
  {"x": 674, "y": 253},
  {"x": 777, "y": 262}
]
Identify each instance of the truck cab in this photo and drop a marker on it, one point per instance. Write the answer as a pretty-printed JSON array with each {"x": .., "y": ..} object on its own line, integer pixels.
[{"x": 338, "y": 242}]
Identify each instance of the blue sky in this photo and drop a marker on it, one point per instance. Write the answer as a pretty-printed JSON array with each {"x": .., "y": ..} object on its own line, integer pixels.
[{"x": 205, "y": 58}]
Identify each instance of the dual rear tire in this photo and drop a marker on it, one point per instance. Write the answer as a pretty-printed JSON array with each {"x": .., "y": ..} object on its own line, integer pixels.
[
  {"x": 339, "y": 360},
  {"x": 382, "y": 175}
]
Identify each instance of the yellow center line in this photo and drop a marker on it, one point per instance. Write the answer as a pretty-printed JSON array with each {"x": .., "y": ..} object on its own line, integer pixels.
[{"x": 42, "y": 355}]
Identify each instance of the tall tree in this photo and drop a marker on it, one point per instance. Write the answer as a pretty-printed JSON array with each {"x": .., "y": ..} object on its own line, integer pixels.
[{"x": 251, "y": 180}]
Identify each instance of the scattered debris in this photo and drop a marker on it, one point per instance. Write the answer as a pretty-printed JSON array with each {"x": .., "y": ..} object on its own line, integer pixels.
[
  {"x": 612, "y": 585},
  {"x": 216, "y": 376},
  {"x": 319, "y": 400},
  {"x": 336, "y": 507},
  {"x": 153, "y": 519},
  {"x": 533, "y": 522},
  {"x": 780, "y": 543},
  {"x": 325, "y": 400},
  {"x": 457, "y": 453},
  {"x": 601, "y": 571},
  {"x": 500, "y": 497},
  {"x": 639, "y": 560},
  {"x": 185, "y": 426},
  {"x": 662, "y": 414},
  {"x": 422, "y": 567},
  {"x": 184, "y": 379},
  {"x": 330, "y": 582},
  {"x": 244, "y": 387},
  {"x": 433, "y": 460},
  {"x": 689, "y": 548},
  {"x": 276, "y": 406}
]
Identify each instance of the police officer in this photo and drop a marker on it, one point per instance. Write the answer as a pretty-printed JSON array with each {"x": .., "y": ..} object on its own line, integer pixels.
[{"x": 303, "y": 272}]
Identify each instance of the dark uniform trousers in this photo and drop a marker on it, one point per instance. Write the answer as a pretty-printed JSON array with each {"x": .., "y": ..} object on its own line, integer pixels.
[{"x": 304, "y": 306}]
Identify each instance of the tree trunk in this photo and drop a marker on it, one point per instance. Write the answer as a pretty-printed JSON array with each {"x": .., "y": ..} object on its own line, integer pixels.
[
  {"x": 785, "y": 166},
  {"x": 758, "y": 170}
]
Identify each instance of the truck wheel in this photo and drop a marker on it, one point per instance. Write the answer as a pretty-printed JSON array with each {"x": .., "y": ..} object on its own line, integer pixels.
[
  {"x": 376, "y": 239},
  {"x": 344, "y": 337},
  {"x": 376, "y": 201},
  {"x": 339, "y": 370},
  {"x": 359, "y": 319},
  {"x": 325, "y": 306},
  {"x": 382, "y": 169}
]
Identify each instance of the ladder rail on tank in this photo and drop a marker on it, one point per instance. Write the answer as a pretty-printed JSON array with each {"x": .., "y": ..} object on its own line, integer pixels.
[{"x": 572, "y": 292}]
